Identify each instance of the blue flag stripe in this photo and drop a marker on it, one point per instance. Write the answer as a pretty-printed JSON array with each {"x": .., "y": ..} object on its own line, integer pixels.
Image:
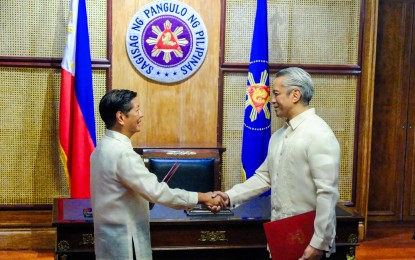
[
  {"x": 257, "y": 121},
  {"x": 83, "y": 72}
]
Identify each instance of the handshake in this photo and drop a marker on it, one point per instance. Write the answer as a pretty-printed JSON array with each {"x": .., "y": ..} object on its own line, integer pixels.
[{"x": 215, "y": 201}]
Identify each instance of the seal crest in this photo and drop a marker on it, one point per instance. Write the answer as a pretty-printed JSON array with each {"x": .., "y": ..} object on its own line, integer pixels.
[{"x": 166, "y": 41}]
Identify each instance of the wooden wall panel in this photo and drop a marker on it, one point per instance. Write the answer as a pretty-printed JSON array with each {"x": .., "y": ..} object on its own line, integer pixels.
[
  {"x": 27, "y": 229},
  {"x": 388, "y": 157},
  {"x": 183, "y": 113}
]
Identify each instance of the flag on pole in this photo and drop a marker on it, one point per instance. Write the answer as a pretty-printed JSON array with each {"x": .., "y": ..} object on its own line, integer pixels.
[
  {"x": 257, "y": 118},
  {"x": 76, "y": 110}
]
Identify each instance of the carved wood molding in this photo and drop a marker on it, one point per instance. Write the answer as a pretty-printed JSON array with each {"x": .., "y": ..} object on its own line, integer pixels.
[{"x": 366, "y": 108}]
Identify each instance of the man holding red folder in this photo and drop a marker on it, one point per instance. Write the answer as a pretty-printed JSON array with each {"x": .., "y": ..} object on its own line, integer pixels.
[{"x": 302, "y": 165}]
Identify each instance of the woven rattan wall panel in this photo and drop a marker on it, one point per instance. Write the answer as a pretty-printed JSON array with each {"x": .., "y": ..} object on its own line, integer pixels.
[
  {"x": 37, "y": 28},
  {"x": 299, "y": 31},
  {"x": 29, "y": 153},
  {"x": 335, "y": 102}
]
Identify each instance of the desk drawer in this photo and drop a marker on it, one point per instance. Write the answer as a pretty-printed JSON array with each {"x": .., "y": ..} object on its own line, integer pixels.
[
  {"x": 347, "y": 232},
  {"x": 249, "y": 234},
  {"x": 75, "y": 238}
]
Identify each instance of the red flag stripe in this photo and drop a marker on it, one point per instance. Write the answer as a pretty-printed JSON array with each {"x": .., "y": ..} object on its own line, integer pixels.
[{"x": 76, "y": 123}]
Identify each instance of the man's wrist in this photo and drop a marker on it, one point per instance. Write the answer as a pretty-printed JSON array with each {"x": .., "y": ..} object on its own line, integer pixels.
[{"x": 202, "y": 197}]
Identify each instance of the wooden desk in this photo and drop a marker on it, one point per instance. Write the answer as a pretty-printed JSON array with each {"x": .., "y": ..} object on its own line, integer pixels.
[{"x": 174, "y": 235}]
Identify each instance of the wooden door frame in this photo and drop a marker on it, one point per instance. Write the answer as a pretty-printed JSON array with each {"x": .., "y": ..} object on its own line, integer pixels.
[
  {"x": 408, "y": 205},
  {"x": 366, "y": 110}
]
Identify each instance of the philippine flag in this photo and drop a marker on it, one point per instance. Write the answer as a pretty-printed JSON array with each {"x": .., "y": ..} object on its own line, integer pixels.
[{"x": 76, "y": 112}]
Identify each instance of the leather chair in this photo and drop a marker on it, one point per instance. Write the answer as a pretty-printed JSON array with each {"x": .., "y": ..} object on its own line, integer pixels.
[
  {"x": 195, "y": 174},
  {"x": 199, "y": 169}
]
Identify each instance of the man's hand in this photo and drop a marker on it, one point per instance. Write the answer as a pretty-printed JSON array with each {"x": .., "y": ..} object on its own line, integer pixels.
[
  {"x": 311, "y": 253},
  {"x": 211, "y": 201},
  {"x": 224, "y": 197}
]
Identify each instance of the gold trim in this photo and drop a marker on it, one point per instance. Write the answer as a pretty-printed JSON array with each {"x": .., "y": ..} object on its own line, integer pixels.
[
  {"x": 350, "y": 255},
  {"x": 213, "y": 236},
  {"x": 352, "y": 239},
  {"x": 183, "y": 153},
  {"x": 63, "y": 245},
  {"x": 87, "y": 239}
]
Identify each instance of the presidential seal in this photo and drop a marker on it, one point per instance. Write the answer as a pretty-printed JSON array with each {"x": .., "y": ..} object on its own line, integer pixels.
[{"x": 167, "y": 41}]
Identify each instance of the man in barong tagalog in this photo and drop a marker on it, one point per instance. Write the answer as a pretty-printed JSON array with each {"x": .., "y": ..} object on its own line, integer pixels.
[
  {"x": 302, "y": 164},
  {"x": 122, "y": 187}
]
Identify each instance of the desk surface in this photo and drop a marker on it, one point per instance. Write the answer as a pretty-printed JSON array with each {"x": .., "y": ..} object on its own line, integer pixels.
[{"x": 71, "y": 211}]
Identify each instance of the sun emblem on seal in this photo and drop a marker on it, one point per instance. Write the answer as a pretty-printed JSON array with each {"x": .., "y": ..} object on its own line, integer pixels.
[
  {"x": 167, "y": 41},
  {"x": 258, "y": 96}
]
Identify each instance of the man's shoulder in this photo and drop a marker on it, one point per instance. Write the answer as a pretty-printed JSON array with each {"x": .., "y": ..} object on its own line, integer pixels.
[
  {"x": 316, "y": 127},
  {"x": 317, "y": 122},
  {"x": 110, "y": 145}
]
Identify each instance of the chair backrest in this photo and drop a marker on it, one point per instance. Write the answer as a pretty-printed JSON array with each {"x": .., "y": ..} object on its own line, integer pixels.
[
  {"x": 198, "y": 169},
  {"x": 191, "y": 175}
]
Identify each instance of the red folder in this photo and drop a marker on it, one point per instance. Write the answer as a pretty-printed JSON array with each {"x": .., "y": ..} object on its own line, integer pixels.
[{"x": 288, "y": 237}]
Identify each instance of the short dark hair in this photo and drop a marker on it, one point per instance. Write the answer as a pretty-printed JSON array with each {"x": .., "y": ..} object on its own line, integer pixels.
[{"x": 114, "y": 101}]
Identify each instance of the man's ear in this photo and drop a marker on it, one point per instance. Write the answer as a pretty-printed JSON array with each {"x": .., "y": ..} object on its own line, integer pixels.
[
  {"x": 296, "y": 95},
  {"x": 119, "y": 117}
]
